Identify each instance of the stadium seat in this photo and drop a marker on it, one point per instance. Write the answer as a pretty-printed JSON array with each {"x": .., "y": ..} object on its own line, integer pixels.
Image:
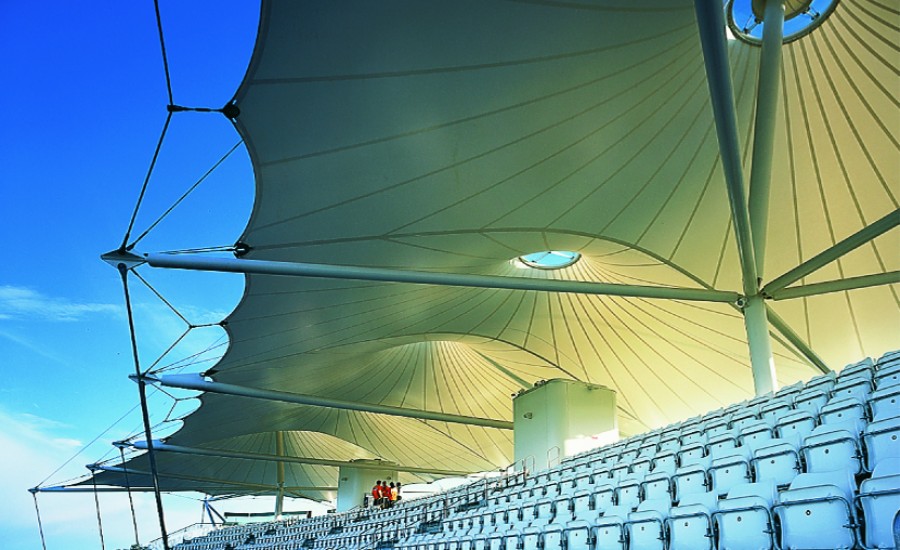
[
  {"x": 884, "y": 400},
  {"x": 646, "y": 528},
  {"x": 778, "y": 460},
  {"x": 882, "y": 438},
  {"x": 775, "y": 409},
  {"x": 690, "y": 479},
  {"x": 603, "y": 497},
  {"x": 609, "y": 533},
  {"x": 879, "y": 498},
  {"x": 796, "y": 425},
  {"x": 811, "y": 400},
  {"x": 818, "y": 507},
  {"x": 581, "y": 506},
  {"x": 657, "y": 486},
  {"x": 858, "y": 386},
  {"x": 833, "y": 447},
  {"x": 579, "y": 536},
  {"x": 844, "y": 409},
  {"x": 888, "y": 376},
  {"x": 730, "y": 469},
  {"x": 628, "y": 492},
  {"x": 690, "y": 523},
  {"x": 744, "y": 518}
]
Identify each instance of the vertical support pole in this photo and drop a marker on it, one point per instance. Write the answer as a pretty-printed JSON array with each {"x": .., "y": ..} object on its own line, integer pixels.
[
  {"x": 279, "y": 497},
  {"x": 767, "y": 99},
  {"x": 142, "y": 392},
  {"x": 762, "y": 362},
  {"x": 711, "y": 24}
]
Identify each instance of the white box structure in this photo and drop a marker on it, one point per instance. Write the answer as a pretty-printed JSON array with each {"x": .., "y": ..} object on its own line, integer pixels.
[
  {"x": 560, "y": 418},
  {"x": 354, "y": 484}
]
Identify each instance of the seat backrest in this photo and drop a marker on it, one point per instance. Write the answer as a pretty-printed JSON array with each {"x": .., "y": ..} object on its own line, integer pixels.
[
  {"x": 882, "y": 438},
  {"x": 764, "y": 489},
  {"x": 889, "y": 466},
  {"x": 655, "y": 505},
  {"x": 842, "y": 479},
  {"x": 708, "y": 500}
]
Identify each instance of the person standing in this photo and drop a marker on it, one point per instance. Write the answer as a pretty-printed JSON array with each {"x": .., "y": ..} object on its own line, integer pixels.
[
  {"x": 392, "y": 495},
  {"x": 376, "y": 493}
]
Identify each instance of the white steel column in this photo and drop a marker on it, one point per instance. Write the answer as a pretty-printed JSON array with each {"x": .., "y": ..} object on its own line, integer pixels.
[
  {"x": 767, "y": 99},
  {"x": 762, "y": 362},
  {"x": 711, "y": 24},
  {"x": 279, "y": 470}
]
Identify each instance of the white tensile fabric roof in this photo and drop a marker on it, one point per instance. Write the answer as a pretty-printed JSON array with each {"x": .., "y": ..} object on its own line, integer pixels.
[{"x": 456, "y": 136}]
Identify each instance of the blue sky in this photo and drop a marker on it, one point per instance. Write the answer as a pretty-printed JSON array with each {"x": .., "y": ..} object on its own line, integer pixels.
[{"x": 84, "y": 101}]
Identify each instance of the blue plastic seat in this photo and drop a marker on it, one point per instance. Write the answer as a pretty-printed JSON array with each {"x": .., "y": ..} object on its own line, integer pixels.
[
  {"x": 817, "y": 511},
  {"x": 879, "y": 498}
]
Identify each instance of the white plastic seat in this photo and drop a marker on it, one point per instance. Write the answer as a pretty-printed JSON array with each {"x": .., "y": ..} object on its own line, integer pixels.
[
  {"x": 885, "y": 400},
  {"x": 888, "y": 376},
  {"x": 796, "y": 425},
  {"x": 744, "y": 518},
  {"x": 646, "y": 527},
  {"x": 554, "y": 537},
  {"x": 832, "y": 447},
  {"x": 720, "y": 443},
  {"x": 778, "y": 460},
  {"x": 628, "y": 493},
  {"x": 495, "y": 540},
  {"x": 609, "y": 533},
  {"x": 512, "y": 539},
  {"x": 691, "y": 436},
  {"x": 578, "y": 535},
  {"x": 775, "y": 409},
  {"x": 744, "y": 416},
  {"x": 718, "y": 426},
  {"x": 690, "y": 479},
  {"x": 879, "y": 498},
  {"x": 691, "y": 453},
  {"x": 562, "y": 510},
  {"x": 822, "y": 382},
  {"x": 581, "y": 481},
  {"x": 854, "y": 386},
  {"x": 581, "y": 506},
  {"x": 882, "y": 438},
  {"x": 665, "y": 462},
  {"x": 730, "y": 469},
  {"x": 532, "y": 538},
  {"x": 641, "y": 466},
  {"x": 755, "y": 434},
  {"x": 844, "y": 409},
  {"x": 690, "y": 523},
  {"x": 811, "y": 400},
  {"x": 602, "y": 498},
  {"x": 860, "y": 368},
  {"x": 817, "y": 510},
  {"x": 657, "y": 486}
]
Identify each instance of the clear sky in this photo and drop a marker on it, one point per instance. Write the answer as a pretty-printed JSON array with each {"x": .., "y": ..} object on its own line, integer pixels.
[{"x": 84, "y": 101}]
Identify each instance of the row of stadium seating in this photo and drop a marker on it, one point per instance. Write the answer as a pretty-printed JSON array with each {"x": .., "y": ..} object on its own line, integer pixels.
[{"x": 814, "y": 465}]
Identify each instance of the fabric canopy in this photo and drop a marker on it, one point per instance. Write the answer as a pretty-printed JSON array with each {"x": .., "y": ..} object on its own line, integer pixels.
[{"x": 456, "y": 136}]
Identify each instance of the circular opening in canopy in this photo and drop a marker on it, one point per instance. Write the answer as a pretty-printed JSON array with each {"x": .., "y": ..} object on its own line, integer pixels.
[
  {"x": 745, "y": 18},
  {"x": 549, "y": 259}
]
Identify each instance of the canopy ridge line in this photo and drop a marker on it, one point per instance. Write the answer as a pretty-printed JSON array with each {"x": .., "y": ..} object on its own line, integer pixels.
[
  {"x": 837, "y": 285},
  {"x": 298, "y": 269},
  {"x": 199, "y": 383},
  {"x": 854, "y": 241},
  {"x": 216, "y": 482},
  {"x": 282, "y": 459},
  {"x": 785, "y": 330}
]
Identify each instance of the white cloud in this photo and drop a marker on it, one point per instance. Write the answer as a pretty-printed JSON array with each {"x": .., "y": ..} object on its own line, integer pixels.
[{"x": 22, "y": 302}]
